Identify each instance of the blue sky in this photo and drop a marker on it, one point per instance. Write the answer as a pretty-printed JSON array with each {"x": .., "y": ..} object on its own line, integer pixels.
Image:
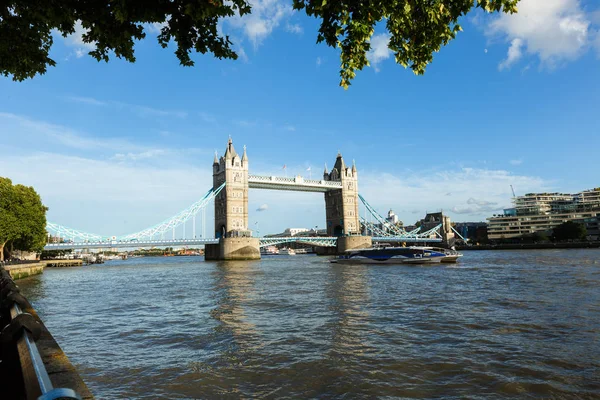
[{"x": 113, "y": 148}]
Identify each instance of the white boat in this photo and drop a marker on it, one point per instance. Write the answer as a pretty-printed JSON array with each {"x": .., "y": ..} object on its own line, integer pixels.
[
  {"x": 289, "y": 252},
  {"x": 269, "y": 250},
  {"x": 452, "y": 255},
  {"x": 392, "y": 255}
]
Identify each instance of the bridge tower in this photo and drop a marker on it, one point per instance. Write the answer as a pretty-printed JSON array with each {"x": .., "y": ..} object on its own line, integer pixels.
[
  {"x": 231, "y": 209},
  {"x": 341, "y": 207}
]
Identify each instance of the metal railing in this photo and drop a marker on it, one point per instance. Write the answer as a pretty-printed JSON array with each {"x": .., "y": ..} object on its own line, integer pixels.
[{"x": 23, "y": 330}]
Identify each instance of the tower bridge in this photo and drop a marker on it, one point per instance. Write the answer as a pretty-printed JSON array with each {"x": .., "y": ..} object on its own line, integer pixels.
[
  {"x": 233, "y": 240},
  {"x": 340, "y": 189}
]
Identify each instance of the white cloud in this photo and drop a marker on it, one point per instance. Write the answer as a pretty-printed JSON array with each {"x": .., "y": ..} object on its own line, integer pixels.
[
  {"x": 26, "y": 130},
  {"x": 554, "y": 30},
  {"x": 475, "y": 192},
  {"x": 319, "y": 61},
  {"x": 289, "y": 128},
  {"x": 140, "y": 110},
  {"x": 132, "y": 197},
  {"x": 379, "y": 49},
  {"x": 141, "y": 186},
  {"x": 514, "y": 54},
  {"x": 86, "y": 100},
  {"x": 294, "y": 28},
  {"x": 481, "y": 203},
  {"x": 206, "y": 117},
  {"x": 265, "y": 17},
  {"x": 75, "y": 39},
  {"x": 263, "y": 207},
  {"x": 138, "y": 156},
  {"x": 155, "y": 27},
  {"x": 242, "y": 54},
  {"x": 516, "y": 162}
]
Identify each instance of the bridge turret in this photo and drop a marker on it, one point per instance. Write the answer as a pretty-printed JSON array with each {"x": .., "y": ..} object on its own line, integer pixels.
[
  {"x": 341, "y": 206},
  {"x": 325, "y": 173},
  {"x": 216, "y": 163},
  {"x": 244, "y": 157},
  {"x": 231, "y": 209},
  {"x": 231, "y": 205}
]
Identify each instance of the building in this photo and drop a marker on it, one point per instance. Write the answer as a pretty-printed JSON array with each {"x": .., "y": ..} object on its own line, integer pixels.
[
  {"x": 537, "y": 212},
  {"x": 393, "y": 219},
  {"x": 295, "y": 231},
  {"x": 433, "y": 220},
  {"x": 300, "y": 232},
  {"x": 472, "y": 231}
]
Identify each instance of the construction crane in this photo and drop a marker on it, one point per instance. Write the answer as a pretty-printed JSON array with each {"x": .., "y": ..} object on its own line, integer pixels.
[{"x": 513, "y": 191}]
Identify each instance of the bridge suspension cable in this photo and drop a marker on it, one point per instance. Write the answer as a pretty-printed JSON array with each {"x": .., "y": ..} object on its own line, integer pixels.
[
  {"x": 159, "y": 229},
  {"x": 385, "y": 229},
  {"x": 70, "y": 233},
  {"x": 178, "y": 219},
  {"x": 389, "y": 227}
]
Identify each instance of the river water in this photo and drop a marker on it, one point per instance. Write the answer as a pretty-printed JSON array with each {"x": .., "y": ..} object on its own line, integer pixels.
[{"x": 499, "y": 324}]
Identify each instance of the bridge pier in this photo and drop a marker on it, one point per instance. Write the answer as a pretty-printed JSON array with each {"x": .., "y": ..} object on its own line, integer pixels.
[
  {"x": 233, "y": 248},
  {"x": 345, "y": 243}
]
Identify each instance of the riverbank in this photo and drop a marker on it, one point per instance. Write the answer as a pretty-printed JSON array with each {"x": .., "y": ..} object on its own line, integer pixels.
[
  {"x": 32, "y": 362},
  {"x": 25, "y": 270},
  {"x": 532, "y": 246}
]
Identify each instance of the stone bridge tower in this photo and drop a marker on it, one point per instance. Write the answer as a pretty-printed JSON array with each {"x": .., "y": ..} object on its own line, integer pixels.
[
  {"x": 231, "y": 205},
  {"x": 341, "y": 207},
  {"x": 231, "y": 209}
]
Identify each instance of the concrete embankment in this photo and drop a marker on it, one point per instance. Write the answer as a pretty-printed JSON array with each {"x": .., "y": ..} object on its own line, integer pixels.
[
  {"x": 20, "y": 271},
  {"x": 32, "y": 362}
]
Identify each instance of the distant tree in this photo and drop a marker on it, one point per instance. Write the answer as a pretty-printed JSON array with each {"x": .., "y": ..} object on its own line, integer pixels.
[
  {"x": 22, "y": 218},
  {"x": 31, "y": 214},
  {"x": 9, "y": 229},
  {"x": 417, "y": 28},
  {"x": 539, "y": 236},
  {"x": 569, "y": 231}
]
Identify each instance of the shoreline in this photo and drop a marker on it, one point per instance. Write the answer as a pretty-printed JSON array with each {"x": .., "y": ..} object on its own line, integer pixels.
[{"x": 532, "y": 246}]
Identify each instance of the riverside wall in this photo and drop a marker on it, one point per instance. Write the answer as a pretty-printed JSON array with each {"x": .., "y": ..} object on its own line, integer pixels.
[{"x": 15, "y": 365}]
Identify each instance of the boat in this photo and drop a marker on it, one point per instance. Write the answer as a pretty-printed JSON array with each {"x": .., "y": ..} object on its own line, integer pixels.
[
  {"x": 269, "y": 250},
  {"x": 452, "y": 255},
  {"x": 289, "y": 252},
  {"x": 392, "y": 255}
]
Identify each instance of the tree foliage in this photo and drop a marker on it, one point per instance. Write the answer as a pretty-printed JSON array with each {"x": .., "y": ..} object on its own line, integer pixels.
[
  {"x": 569, "y": 231},
  {"x": 417, "y": 28},
  {"x": 22, "y": 218}
]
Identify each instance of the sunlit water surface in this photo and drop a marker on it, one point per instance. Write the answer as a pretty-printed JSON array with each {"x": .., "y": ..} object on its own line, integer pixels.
[{"x": 499, "y": 324}]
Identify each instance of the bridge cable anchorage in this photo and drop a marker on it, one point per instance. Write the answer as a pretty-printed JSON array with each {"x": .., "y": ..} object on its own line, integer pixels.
[{"x": 176, "y": 220}]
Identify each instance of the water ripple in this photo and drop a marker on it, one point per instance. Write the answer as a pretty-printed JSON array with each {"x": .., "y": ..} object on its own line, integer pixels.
[{"x": 519, "y": 324}]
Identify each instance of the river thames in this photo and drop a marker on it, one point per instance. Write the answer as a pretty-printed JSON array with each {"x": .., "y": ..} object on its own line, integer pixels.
[{"x": 498, "y": 324}]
